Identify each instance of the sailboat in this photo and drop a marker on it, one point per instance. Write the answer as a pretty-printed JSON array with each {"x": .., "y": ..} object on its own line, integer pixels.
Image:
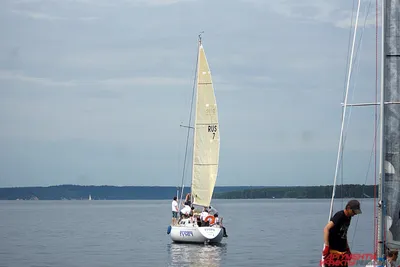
[
  {"x": 206, "y": 146},
  {"x": 388, "y": 200}
]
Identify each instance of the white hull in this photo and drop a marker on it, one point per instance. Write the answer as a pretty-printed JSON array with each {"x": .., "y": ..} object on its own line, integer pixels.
[{"x": 195, "y": 234}]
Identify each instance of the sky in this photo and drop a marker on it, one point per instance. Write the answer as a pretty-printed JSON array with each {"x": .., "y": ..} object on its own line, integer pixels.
[{"x": 93, "y": 92}]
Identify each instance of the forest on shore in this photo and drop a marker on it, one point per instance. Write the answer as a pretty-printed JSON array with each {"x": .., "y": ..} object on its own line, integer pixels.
[{"x": 80, "y": 192}]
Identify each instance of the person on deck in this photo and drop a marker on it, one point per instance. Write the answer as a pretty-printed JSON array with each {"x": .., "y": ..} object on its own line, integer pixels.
[
  {"x": 212, "y": 210},
  {"x": 218, "y": 221},
  {"x": 335, "y": 235},
  {"x": 191, "y": 213},
  {"x": 203, "y": 216},
  {"x": 188, "y": 200},
  {"x": 174, "y": 210},
  {"x": 391, "y": 258},
  {"x": 185, "y": 211}
]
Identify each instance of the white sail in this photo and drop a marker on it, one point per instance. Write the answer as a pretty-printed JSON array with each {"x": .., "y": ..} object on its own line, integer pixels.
[{"x": 206, "y": 136}]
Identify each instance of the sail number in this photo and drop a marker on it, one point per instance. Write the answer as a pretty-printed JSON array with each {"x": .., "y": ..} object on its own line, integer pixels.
[
  {"x": 212, "y": 129},
  {"x": 211, "y": 110}
]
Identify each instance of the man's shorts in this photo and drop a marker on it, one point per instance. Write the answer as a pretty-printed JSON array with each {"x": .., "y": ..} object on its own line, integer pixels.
[{"x": 174, "y": 214}]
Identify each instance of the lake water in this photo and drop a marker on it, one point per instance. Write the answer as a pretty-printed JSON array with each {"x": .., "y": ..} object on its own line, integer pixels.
[{"x": 264, "y": 232}]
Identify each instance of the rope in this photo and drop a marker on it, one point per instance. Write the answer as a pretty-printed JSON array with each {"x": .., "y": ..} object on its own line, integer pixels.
[
  {"x": 189, "y": 123},
  {"x": 373, "y": 143},
  {"x": 357, "y": 60},
  {"x": 357, "y": 66},
  {"x": 373, "y": 150},
  {"x": 344, "y": 91},
  {"x": 344, "y": 114}
]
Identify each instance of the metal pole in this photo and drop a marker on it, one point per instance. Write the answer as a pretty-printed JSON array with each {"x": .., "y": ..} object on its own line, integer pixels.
[{"x": 381, "y": 205}]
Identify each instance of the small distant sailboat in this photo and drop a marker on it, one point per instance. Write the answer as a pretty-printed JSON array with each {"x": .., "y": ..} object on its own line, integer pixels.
[
  {"x": 205, "y": 160},
  {"x": 90, "y": 197}
]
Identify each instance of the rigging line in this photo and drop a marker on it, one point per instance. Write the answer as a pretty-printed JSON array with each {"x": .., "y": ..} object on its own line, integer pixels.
[
  {"x": 344, "y": 86},
  {"x": 357, "y": 69},
  {"x": 188, "y": 131},
  {"x": 348, "y": 51},
  {"x": 363, "y": 186},
  {"x": 357, "y": 62},
  {"x": 348, "y": 54},
  {"x": 355, "y": 82},
  {"x": 344, "y": 113}
]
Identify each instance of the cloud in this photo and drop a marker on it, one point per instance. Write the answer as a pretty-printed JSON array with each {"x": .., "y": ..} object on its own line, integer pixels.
[
  {"x": 122, "y": 81},
  {"x": 107, "y": 3},
  {"x": 337, "y": 13},
  {"x": 49, "y": 11},
  {"x": 159, "y": 2},
  {"x": 36, "y": 15},
  {"x": 44, "y": 16},
  {"x": 20, "y": 77},
  {"x": 144, "y": 81},
  {"x": 220, "y": 83}
]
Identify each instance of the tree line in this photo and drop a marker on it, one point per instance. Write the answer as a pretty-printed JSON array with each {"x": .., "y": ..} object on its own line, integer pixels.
[
  {"x": 342, "y": 191},
  {"x": 69, "y": 192}
]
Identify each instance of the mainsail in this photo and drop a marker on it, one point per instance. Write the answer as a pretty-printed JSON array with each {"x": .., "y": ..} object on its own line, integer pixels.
[
  {"x": 206, "y": 136},
  {"x": 391, "y": 121}
]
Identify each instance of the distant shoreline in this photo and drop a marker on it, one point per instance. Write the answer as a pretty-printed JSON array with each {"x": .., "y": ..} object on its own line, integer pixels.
[{"x": 105, "y": 192}]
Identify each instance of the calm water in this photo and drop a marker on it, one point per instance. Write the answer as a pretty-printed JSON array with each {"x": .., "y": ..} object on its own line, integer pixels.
[{"x": 133, "y": 233}]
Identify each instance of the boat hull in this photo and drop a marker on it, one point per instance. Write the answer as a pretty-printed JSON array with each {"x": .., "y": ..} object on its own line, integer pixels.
[{"x": 195, "y": 234}]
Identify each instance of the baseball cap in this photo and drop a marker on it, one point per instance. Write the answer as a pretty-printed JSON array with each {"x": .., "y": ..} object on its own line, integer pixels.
[{"x": 355, "y": 206}]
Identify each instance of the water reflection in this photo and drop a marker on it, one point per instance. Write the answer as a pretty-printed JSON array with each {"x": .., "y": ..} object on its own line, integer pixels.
[{"x": 196, "y": 255}]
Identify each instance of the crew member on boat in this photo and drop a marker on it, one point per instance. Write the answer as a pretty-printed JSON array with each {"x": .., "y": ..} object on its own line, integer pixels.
[
  {"x": 218, "y": 221},
  {"x": 174, "y": 210},
  {"x": 188, "y": 200},
  {"x": 335, "y": 236},
  {"x": 391, "y": 258},
  {"x": 191, "y": 212},
  {"x": 212, "y": 210},
  {"x": 203, "y": 216},
  {"x": 185, "y": 211}
]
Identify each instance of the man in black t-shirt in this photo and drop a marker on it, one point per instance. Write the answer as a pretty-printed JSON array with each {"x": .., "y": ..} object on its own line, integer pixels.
[{"x": 335, "y": 235}]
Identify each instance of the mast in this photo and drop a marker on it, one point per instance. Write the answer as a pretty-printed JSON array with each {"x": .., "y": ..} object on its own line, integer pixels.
[
  {"x": 189, "y": 123},
  {"x": 195, "y": 113},
  {"x": 381, "y": 203},
  {"x": 389, "y": 225}
]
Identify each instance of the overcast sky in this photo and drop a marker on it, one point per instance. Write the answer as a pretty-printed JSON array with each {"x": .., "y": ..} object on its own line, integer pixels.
[{"x": 94, "y": 91}]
